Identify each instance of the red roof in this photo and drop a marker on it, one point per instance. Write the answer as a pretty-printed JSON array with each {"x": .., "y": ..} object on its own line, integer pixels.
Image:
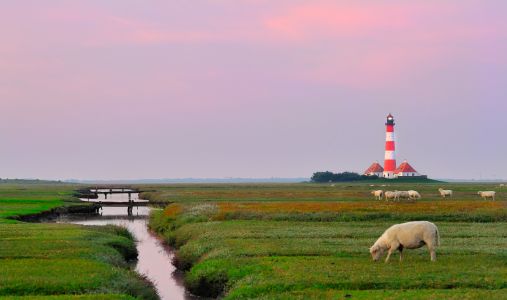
[
  {"x": 405, "y": 168},
  {"x": 374, "y": 168}
]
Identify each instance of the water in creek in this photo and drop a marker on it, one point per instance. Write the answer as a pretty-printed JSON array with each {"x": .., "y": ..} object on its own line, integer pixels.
[{"x": 154, "y": 257}]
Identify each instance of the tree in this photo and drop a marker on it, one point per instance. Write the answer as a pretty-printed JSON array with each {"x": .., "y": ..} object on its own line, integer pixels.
[{"x": 340, "y": 177}]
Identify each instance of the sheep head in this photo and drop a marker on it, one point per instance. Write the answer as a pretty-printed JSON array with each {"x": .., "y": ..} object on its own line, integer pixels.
[{"x": 376, "y": 252}]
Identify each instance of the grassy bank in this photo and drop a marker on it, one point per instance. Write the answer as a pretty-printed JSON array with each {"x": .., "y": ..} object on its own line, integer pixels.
[
  {"x": 260, "y": 245},
  {"x": 17, "y": 198},
  {"x": 62, "y": 261}
]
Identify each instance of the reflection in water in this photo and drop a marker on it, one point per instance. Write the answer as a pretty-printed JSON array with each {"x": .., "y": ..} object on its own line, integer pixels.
[{"x": 154, "y": 257}]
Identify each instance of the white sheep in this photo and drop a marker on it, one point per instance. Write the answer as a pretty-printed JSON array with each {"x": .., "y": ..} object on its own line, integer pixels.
[
  {"x": 411, "y": 235},
  {"x": 378, "y": 194},
  {"x": 392, "y": 195},
  {"x": 445, "y": 192},
  {"x": 488, "y": 194},
  {"x": 404, "y": 195},
  {"x": 383, "y": 185},
  {"x": 414, "y": 194},
  {"x": 502, "y": 185}
]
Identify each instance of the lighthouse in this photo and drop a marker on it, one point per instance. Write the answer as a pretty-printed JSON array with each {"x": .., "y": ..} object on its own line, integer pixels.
[
  {"x": 390, "y": 157},
  {"x": 390, "y": 171}
]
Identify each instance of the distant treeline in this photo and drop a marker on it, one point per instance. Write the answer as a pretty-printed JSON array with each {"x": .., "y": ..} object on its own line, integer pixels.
[
  {"x": 192, "y": 180},
  {"x": 340, "y": 177}
]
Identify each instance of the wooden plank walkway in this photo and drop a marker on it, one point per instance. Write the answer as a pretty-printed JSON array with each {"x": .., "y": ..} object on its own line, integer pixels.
[{"x": 129, "y": 203}]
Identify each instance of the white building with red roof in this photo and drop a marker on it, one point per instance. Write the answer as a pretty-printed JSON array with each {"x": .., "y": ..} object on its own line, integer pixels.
[
  {"x": 405, "y": 170},
  {"x": 375, "y": 169}
]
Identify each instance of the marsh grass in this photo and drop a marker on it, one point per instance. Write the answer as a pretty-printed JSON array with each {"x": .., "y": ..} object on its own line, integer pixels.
[
  {"x": 23, "y": 199},
  {"x": 455, "y": 211},
  {"x": 62, "y": 261},
  {"x": 250, "y": 259},
  {"x": 309, "y": 192},
  {"x": 71, "y": 297},
  {"x": 454, "y": 294},
  {"x": 311, "y": 242}
]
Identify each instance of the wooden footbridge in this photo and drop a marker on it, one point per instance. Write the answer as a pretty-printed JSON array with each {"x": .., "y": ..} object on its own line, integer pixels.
[
  {"x": 129, "y": 204},
  {"x": 111, "y": 191},
  {"x": 92, "y": 193}
]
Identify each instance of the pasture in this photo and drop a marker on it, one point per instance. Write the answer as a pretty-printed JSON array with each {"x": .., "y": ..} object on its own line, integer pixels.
[
  {"x": 310, "y": 192},
  {"x": 310, "y": 241}
]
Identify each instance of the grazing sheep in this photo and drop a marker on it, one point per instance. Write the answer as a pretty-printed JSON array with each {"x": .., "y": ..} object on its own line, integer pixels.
[
  {"x": 411, "y": 235},
  {"x": 392, "y": 195},
  {"x": 383, "y": 185},
  {"x": 372, "y": 185},
  {"x": 404, "y": 195},
  {"x": 414, "y": 194},
  {"x": 445, "y": 192},
  {"x": 332, "y": 184},
  {"x": 489, "y": 194},
  {"x": 378, "y": 194},
  {"x": 502, "y": 185}
]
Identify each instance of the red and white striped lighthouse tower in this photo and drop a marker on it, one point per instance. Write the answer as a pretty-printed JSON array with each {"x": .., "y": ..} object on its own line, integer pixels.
[{"x": 390, "y": 157}]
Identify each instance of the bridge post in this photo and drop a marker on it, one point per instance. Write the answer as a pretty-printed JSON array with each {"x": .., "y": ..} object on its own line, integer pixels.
[{"x": 105, "y": 195}]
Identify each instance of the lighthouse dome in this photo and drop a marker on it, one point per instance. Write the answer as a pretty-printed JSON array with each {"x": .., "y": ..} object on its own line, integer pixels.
[{"x": 390, "y": 120}]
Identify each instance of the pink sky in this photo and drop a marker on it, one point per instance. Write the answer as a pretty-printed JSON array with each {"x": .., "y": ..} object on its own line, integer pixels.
[{"x": 250, "y": 88}]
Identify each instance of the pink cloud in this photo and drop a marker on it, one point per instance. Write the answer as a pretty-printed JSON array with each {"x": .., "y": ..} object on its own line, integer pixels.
[
  {"x": 306, "y": 22},
  {"x": 92, "y": 27},
  {"x": 375, "y": 45}
]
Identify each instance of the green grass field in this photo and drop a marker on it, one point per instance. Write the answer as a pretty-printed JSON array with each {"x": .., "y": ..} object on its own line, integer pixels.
[
  {"x": 61, "y": 261},
  {"x": 18, "y": 197},
  {"x": 309, "y": 192},
  {"x": 262, "y": 241},
  {"x": 283, "y": 241}
]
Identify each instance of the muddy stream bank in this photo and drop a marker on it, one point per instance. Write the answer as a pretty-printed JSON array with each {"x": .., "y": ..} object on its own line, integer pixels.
[{"x": 154, "y": 258}]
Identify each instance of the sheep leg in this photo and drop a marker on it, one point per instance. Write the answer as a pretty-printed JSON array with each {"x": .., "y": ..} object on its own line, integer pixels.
[
  {"x": 393, "y": 248},
  {"x": 388, "y": 255},
  {"x": 401, "y": 253},
  {"x": 432, "y": 252}
]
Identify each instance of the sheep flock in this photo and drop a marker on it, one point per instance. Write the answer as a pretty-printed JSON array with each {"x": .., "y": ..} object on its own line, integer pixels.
[{"x": 411, "y": 194}]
